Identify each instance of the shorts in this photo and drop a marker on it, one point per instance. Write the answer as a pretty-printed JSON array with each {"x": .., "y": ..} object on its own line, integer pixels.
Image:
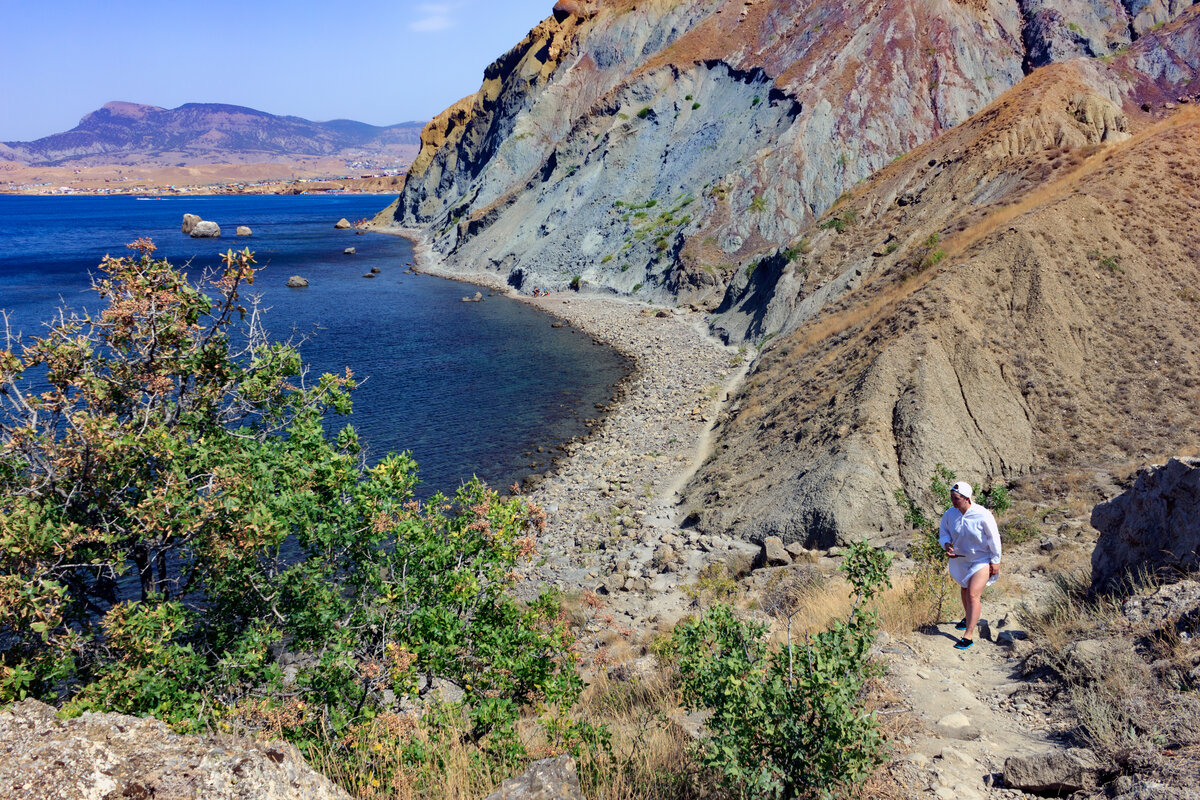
[{"x": 961, "y": 570}]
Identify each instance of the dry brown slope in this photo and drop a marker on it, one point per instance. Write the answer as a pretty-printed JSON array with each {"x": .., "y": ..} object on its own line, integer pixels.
[{"x": 1059, "y": 328}]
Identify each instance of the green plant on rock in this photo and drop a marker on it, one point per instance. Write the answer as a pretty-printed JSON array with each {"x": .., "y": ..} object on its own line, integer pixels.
[
  {"x": 788, "y": 722},
  {"x": 839, "y": 222},
  {"x": 174, "y": 517}
]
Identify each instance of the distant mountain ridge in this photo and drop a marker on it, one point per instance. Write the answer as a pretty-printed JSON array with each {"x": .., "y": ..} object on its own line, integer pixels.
[{"x": 208, "y": 132}]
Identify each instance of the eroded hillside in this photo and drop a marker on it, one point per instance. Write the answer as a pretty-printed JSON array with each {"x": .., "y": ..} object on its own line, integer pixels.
[
  {"x": 946, "y": 251},
  {"x": 1020, "y": 295}
]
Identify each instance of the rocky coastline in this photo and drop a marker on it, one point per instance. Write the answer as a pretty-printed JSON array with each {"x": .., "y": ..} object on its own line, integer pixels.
[{"x": 615, "y": 525}]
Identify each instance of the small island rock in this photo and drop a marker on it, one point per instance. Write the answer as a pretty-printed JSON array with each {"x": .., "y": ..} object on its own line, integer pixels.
[
  {"x": 205, "y": 229},
  {"x": 349, "y": 251},
  {"x": 189, "y": 222},
  {"x": 243, "y": 230},
  {"x": 342, "y": 224},
  {"x": 296, "y": 282}
]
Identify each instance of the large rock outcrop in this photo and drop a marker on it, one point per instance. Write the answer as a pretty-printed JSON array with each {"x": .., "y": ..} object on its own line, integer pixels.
[
  {"x": 740, "y": 121},
  {"x": 100, "y": 756},
  {"x": 1154, "y": 526}
]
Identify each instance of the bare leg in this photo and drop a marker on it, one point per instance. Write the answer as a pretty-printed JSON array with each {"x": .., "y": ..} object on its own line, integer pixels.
[{"x": 972, "y": 600}]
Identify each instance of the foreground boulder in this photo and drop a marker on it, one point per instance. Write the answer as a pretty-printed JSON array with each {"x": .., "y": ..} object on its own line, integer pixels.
[
  {"x": 189, "y": 222},
  {"x": 118, "y": 756},
  {"x": 1154, "y": 525},
  {"x": 1056, "y": 773},
  {"x": 204, "y": 229},
  {"x": 548, "y": 779}
]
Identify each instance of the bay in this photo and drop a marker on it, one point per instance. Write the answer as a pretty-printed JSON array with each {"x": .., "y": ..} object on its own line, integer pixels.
[{"x": 468, "y": 388}]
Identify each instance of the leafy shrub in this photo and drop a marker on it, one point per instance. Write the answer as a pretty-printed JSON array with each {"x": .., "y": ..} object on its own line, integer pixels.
[
  {"x": 644, "y": 112},
  {"x": 929, "y": 587},
  {"x": 695, "y": 106},
  {"x": 174, "y": 520},
  {"x": 787, "y": 722},
  {"x": 576, "y": 282},
  {"x": 839, "y": 222},
  {"x": 996, "y": 499},
  {"x": 758, "y": 204},
  {"x": 1019, "y": 530}
]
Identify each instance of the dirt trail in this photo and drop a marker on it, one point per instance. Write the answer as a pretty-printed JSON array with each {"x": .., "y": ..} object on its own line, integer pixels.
[{"x": 975, "y": 708}]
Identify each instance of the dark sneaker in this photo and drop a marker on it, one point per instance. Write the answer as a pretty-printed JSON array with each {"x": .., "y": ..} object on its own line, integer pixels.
[
  {"x": 961, "y": 625},
  {"x": 964, "y": 644}
]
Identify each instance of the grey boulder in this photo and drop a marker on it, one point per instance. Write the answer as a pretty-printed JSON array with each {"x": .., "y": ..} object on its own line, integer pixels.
[
  {"x": 114, "y": 755},
  {"x": 1153, "y": 526},
  {"x": 189, "y": 222},
  {"x": 204, "y": 229},
  {"x": 243, "y": 230},
  {"x": 1057, "y": 772},
  {"x": 548, "y": 779},
  {"x": 296, "y": 282}
]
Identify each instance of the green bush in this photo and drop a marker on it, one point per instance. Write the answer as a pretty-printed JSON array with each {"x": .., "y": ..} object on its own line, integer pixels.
[
  {"x": 174, "y": 520},
  {"x": 644, "y": 112},
  {"x": 839, "y": 222},
  {"x": 787, "y": 722},
  {"x": 576, "y": 282},
  {"x": 929, "y": 587}
]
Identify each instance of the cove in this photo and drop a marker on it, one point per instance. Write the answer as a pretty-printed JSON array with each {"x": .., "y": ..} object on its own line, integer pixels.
[{"x": 468, "y": 388}]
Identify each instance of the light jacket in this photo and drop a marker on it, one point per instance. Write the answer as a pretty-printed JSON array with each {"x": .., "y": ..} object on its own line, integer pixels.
[{"x": 973, "y": 534}]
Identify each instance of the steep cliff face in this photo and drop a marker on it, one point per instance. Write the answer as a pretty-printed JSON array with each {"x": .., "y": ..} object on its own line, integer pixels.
[
  {"x": 979, "y": 301},
  {"x": 655, "y": 148}
]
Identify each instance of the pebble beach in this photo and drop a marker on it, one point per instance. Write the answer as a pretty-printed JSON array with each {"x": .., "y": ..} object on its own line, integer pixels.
[{"x": 611, "y": 498}]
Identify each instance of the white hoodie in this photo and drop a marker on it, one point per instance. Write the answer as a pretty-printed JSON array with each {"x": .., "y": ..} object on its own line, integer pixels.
[{"x": 974, "y": 534}]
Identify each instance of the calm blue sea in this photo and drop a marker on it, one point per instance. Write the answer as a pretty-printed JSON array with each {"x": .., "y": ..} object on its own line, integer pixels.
[{"x": 469, "y": 388}]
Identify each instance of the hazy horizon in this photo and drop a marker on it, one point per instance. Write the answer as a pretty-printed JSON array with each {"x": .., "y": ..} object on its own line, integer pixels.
[{"x": 368, "y": 61}]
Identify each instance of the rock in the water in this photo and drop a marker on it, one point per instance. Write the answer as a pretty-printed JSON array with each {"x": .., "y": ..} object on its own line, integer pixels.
[
  {"x": 204, "y": 229},
  {"x": 243, "y": 230},
  {"x": 114, "y": 755},
  {"x": 548, "y": 779},
  {"x": 1155, "y": 525},
  {"x": 475, "y": 298},
  {"x": 1058, "y": 772},
  {"x": 376, "y": 270},
  {"x": 189, "y": 222},
  {"x": 369, "y": 275},
  {"x": 296, "y": 282},
  {"x": 342, "y": 224},
  {"x": 349, "y": 251},
  {"x": 772, "y": 553}
]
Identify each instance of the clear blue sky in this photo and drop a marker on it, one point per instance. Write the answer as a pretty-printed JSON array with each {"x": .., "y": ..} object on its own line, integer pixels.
[{"x": 375, "y": 61}]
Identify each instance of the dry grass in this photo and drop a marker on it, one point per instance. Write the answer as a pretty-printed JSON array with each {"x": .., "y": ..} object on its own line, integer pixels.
[{"x": 1122, "y": 682}]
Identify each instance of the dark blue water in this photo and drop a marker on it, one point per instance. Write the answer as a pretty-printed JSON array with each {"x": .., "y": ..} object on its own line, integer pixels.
[{"x": 469, "y": 388}]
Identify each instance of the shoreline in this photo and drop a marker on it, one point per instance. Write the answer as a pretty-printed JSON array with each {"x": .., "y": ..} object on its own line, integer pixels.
[{"x": 612, "y": 497}]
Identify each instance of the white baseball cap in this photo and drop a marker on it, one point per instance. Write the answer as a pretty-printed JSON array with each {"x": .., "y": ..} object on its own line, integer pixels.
[{"x": 963, "y": 488}]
